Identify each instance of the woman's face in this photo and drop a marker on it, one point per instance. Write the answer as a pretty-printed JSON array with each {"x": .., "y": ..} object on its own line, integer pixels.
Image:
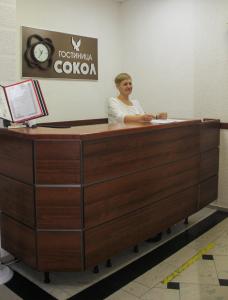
[{"x": 125, "y": 87}]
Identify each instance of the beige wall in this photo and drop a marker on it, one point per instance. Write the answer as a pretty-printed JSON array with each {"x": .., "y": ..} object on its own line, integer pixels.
[
  {"x": 177, "y": 51},
  {"x": 211, "y": 75},
  {"x": 158, "y": 48},
  {"x": 7, "y": 42},
  {"x": 74, "y": 99}
]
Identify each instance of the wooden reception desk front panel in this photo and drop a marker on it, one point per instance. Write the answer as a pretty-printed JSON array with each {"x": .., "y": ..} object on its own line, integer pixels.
[{"x": 72, "y": 198}]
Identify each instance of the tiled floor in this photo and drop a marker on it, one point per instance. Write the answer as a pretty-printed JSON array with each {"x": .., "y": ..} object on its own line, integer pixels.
[
  {"x": 7, "y": 294},
  {"x": 204, "y": 279},
  {"x": 139, "y": 276}
]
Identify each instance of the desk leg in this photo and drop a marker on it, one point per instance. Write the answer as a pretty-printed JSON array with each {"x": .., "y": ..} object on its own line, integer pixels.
[
  {"x": 155, "y": 238},
  {"x": 96, "y": 269},
  {"x": 168, "y": 230},
  {"x": 109, "y": 263},
  {"x": 136, "y": 249},
  {"x": 46, "y": 277},
  {"x": 186, "y": 221}
]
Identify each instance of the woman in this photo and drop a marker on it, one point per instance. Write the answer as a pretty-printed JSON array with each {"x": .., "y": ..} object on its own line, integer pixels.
[{"x": 123, "y": 110}]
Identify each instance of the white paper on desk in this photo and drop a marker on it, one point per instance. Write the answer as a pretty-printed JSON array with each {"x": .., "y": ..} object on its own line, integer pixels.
[
  {"x": 165, "y": 121},
  {"x": 4, "y": 109},
  {"x": 23, "y": 101}
]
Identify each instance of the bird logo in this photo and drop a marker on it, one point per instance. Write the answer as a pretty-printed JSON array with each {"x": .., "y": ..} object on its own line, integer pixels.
[{"x": 75, "y": 44}]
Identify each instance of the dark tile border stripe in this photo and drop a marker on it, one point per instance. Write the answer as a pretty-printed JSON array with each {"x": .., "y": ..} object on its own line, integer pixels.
[
  {"x": 26, "y": 289},
  {"x": 102, "y": 289},
  {"x": 173, "y": 285},
  {"x": 207, "y": 257},
  {"x": 223, "y": 282}
]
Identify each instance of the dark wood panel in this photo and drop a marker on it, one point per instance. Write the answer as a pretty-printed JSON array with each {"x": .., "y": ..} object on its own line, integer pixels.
[
  {"x": 57, "y": 162},
  {"x": 91, "y": 132},
  {"x": 114, "y": 157},
  {"x": 108, "y": 200},
  {"x": 75, "y": 123},
  {"x": 17, "y": 200},
  {"x": 106, "y": 240},
  {"x": 16, "y": 159},
  {"x": 128, "y": 230},
  {"x": 223, "y": 125},
  {"x": 208, "y": 191},
  {"x": 18, "y": 240},
  {"x": 168, "y": 212},
  {"x": 209, "y": 164},
  {"x": 58, "y": 208},
  {"x": 209, "y": 135},
  {"x": 59, "y": 251}
]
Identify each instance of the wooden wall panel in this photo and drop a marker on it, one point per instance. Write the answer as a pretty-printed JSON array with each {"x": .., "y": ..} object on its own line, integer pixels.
[
  {"x": 111, "y": 199},
  {"x": 209, "y": 135},
  {"x": 59, "y": 251},
  {"x": 58, "y": 208},
  {"x": 17, "y": 200},
  {"x": 130, "y": 229},
  {"x": 18, "y": 240},
  {"x": 208, "y": 191},
  {"x": 16, "y": 158},
  {"x": 167, "y": 212},
  {"x": 209, "y": 163},
  {"x": 75, "y": 122},
  {"x": 110, "y": 158},
  {"x": 57, "y": 162}
]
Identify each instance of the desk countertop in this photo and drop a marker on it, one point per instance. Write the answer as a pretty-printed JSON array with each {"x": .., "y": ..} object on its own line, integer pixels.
[{"x": 91, "y": 131}]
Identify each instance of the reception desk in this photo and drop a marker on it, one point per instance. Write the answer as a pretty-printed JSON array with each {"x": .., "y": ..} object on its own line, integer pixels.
[{"x": 72, "y": 198}]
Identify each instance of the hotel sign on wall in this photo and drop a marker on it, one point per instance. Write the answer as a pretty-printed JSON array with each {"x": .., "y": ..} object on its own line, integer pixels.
[{"x": 51, "y": 54}]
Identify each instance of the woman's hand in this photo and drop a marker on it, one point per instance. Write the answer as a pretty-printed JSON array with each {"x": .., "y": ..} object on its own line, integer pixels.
[
  {"x": 139, "y": 118},
  {"x": 147, "y": 117}
]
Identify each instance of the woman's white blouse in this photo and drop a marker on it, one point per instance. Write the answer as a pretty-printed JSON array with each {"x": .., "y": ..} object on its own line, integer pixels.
[{"x": 117, "y": 110}]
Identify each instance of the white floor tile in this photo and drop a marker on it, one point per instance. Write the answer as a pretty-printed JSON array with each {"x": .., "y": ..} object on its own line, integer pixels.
[
  {"x": 136, "y": 289},
  {"x": 155, "y": 275},
  {"x": 200, "y": 272},
  {"x": 7, "y": 294},
  {"x": 121, "y": 295},
  {"x": 203, "y": 292},
  {"x": 221, "y": 264},
  {"x": 221, "y": 245},
  {"x": 181, "y": 256},
  {"x": 161, "y": 294}
]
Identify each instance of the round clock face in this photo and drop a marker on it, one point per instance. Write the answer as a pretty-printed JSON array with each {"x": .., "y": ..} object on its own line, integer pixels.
[{"x": 40, "y": 52}]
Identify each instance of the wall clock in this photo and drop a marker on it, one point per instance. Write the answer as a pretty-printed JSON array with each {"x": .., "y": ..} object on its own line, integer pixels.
[{"x": 39, "y": 52}]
